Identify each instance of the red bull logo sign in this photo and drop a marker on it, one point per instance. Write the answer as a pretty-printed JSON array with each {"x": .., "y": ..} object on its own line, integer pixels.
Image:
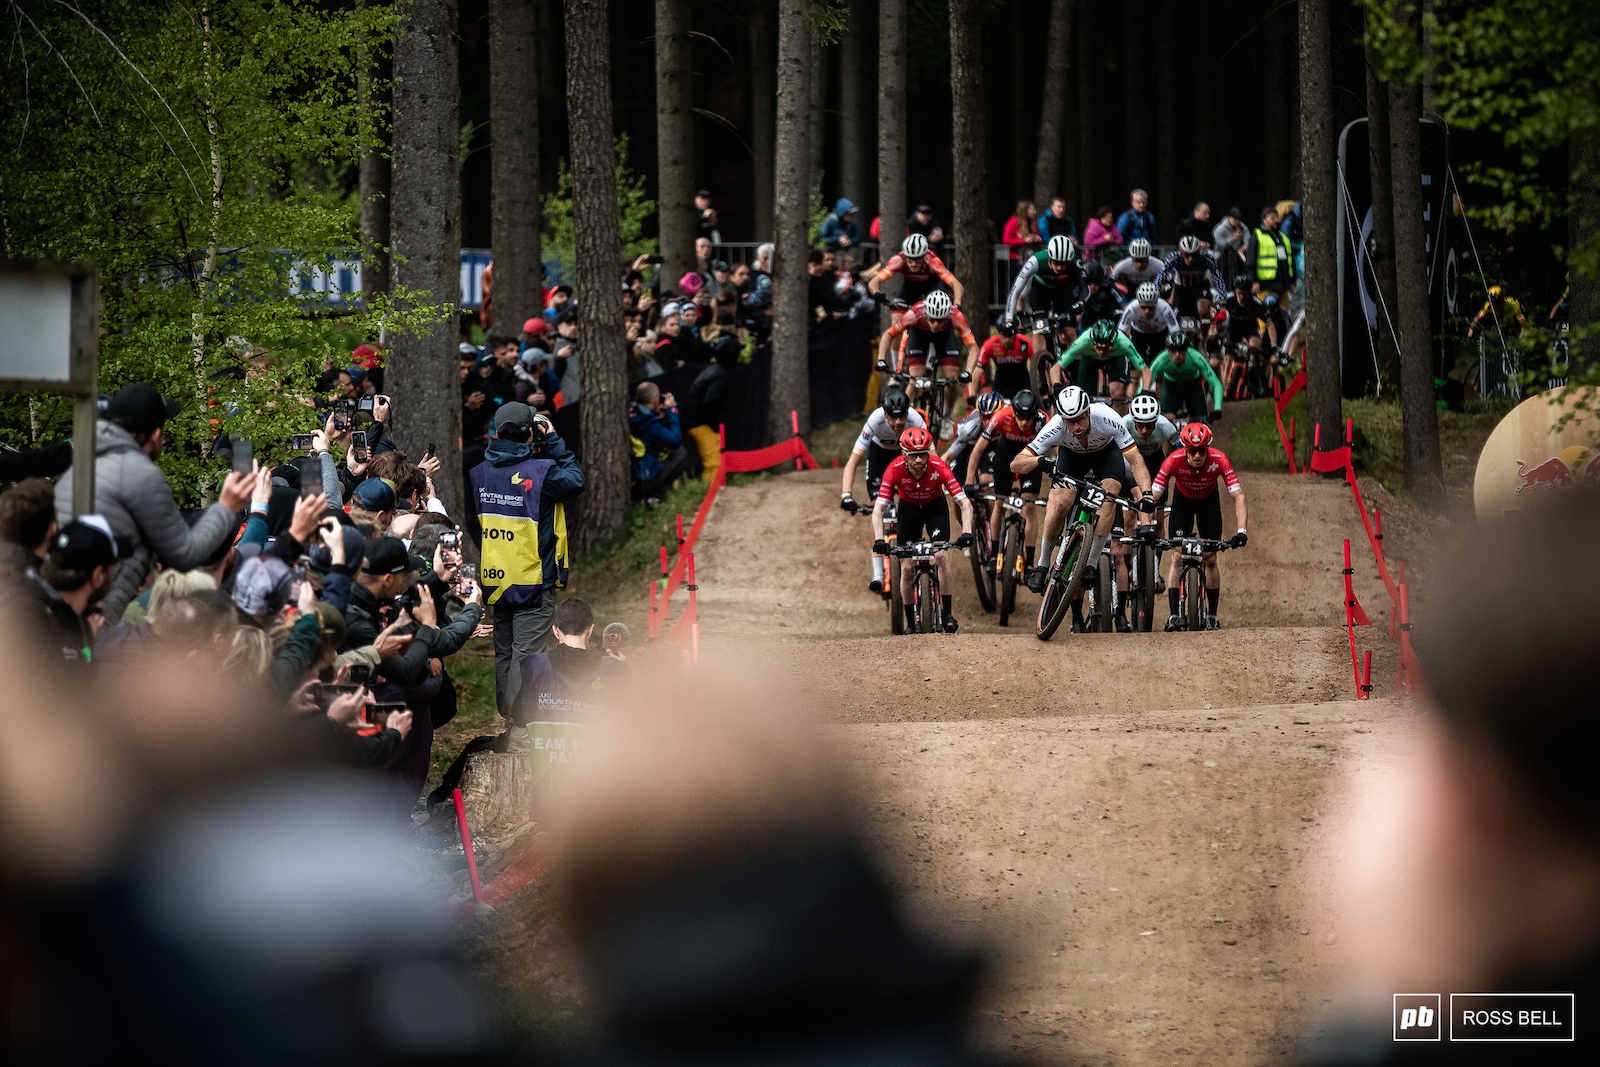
[
  {"x": 1546, "y": 444},
  {"x": 1575, "y": 466}
]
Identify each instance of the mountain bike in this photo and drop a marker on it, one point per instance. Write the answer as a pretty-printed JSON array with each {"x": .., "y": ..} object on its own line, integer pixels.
[
  {"x": 1048, "y": 324},
  {"x": 1192, "y": 578},
  {"x": 1009, "y": 550},
  {"x": 896, "y": 622},
  {"x": 1142, "y": 580},
  {"x": 1236, "y": 383},
  {"x": 930, "y": 395},
  {"x": 982, "y": 553},
  {"x": 1066, "y": 576},
  {"x": 922, "y": 610}
]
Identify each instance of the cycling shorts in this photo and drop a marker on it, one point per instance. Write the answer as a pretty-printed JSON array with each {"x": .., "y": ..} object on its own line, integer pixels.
[
  {"x": 1004, "y": 452},
  {"x": 1148, "y": 345},
  {"x": 1056, "y": 298},
  {"x": 1186, "y": 298},
  {"x": 878, "y": 460},
  {"x": 1203, "y": 516},
  {"x": 1116, "y": 369},
  {"x": 913, "y": 290},
  {"x": 1105, "y": 462},
  {"x": 1195, "y": 396},
  {"x": 1007, "y": 378},
  {"x": 942, "y": 347},
  {"x": 923, "y": 522}
]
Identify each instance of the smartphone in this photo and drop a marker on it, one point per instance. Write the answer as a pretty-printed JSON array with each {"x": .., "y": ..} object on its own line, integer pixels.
[
  {"x": 243, "y": 454},
  {"x": 654, "y": 259},
  {"x": 303, "y": 442},
  {"x": 375, "y": 714},
  {"x": 359, "y": 674},
  {"x": 358, "y": 445},
  {"x": 341, "y": 419},
  {"x": 429, "y": 453}
]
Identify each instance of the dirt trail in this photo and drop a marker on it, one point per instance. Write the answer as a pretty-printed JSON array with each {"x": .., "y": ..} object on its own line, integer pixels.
[{"x": 1119, "y": 821}]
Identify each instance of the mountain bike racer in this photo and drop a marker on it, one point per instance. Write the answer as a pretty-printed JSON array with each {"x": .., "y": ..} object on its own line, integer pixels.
[
  {"x": 1131, "y": 273},
  {"x": 920, "y": 269},
  {"x": 1195, "y": 279},
  {"x": 1101, "y": 349},
  {"x": 1155, "y": 436},
  {"x": 1239, "y": 322},
  {"x": 1094, "y": 444},
  {"x": 1101, "y": 299},
  {"x": 1007, "y": 361},
  {"x": 922, "y": 481},
  {"x": 1197, "y": 507},
  {"x": 968, "y": 431},
  {"x": 1181, "y": 375},
  {"x": 880, "y": 443},
  {"x": 1006, "y": 434},
  {"x": 930, "y": 329},
  {"x": 1050, "y": 279},
  {"x": 1147, "y": 321}
]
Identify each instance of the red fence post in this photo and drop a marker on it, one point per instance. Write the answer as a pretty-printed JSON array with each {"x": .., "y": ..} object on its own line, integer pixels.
[
  {"x": 654, "y": 622},
  {"x": 1366, "y": 677},
  {"x": 1404, "y": 680},
  {"x": 466, "y": 844},
  {"x": 680, "y": 528},
  {"x": 794, "y": 424},
  {"x": 722, "y": 437}
]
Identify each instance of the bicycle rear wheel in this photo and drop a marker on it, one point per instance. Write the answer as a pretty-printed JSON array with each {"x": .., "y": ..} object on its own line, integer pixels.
[
  {"x": 1009, "y": 558},
  {"x": 1063, "y": 583},
  {"x": 928, "y": 616},
  {"x": 1193, "y": 595},
  {"x": 983, "y": 564}
]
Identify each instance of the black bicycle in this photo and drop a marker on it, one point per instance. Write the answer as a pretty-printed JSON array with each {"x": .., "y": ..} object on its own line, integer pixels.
[
  {"x": 1068, "y": 570},
  {"x": 1008, "y": 550},
  {"x": 1142, "y": 580},
  {"x": 1191, "y": 551},
  {"x": 1048, "y": 325},
  {"x": 922, "y": 612}
]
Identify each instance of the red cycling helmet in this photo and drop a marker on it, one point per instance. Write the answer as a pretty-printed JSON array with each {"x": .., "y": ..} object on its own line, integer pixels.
[
  {"x": 1194, "y": 435},
  {"x": 916, "y": 439}
]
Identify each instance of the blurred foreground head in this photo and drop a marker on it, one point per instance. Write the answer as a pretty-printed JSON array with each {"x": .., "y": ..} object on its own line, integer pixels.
[
  {"x": 722, "y": 903},
  {"x": 1471, "y": 857}
]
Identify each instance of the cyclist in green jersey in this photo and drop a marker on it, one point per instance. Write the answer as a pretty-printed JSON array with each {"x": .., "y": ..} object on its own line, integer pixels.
[
  {"x": 1181, "y": 375},
  {"x": 1102, "y": 348},
  {"x": 1051, "y": 280}
]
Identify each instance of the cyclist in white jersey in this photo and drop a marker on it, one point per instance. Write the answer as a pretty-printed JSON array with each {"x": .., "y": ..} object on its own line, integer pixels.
[
  {"x": 1155, "y": 437},
  {"x": 1095, "y": 445},
  {"x": 880, "y": 443},
  {"x": 1147, "y": 321},
  {"x": 1138, "y": 268}
]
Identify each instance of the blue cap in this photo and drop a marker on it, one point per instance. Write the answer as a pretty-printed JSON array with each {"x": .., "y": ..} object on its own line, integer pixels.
[
  {"x": 843, "y": 206},
  {"x": 374, "y": 494}
]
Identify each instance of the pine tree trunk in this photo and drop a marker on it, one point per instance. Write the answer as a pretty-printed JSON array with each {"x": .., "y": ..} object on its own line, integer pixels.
[
  {"x": 855, "y": 112},
  {"x": 970, "y": 188},
  {"x": 598, "y": 247},
  {"x": 1204, "y": 130},
  {"x": 1274, "y": 145},
  {"x": 892, "y": 207},
  {"x": 1324, "y": 383},
  {"x": 1136, "y": 96},
  {"x": 792, "y": 188},
  {"x": 1053, "y": 104},
  {"x": 1088, "y": 184},
  {"x": 675, "y": 139},
  {"x": 763, "y": 96},
  {"x": 374, "y": 90},
  {"x": 426, "y": 235},
  {"x": 1167, "y": 208},
  {"x": 1381, "y": 247},
  {"x": 1423, "y": 472},
  {"x": 816, "y": 110},
  {"x": 1583, "y": 232},
  {"x": 515, "y": 216}
]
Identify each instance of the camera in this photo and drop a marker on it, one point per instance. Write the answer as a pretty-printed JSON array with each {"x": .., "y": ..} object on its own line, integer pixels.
[{"x": 376, "y": 714}]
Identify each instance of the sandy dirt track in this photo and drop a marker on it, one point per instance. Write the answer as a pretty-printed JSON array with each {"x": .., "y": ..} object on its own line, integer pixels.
[{"x": 1119, "y": 822}]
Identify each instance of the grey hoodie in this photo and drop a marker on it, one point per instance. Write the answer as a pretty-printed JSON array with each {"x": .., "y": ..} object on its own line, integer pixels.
[{"x": 133, "y": 495}]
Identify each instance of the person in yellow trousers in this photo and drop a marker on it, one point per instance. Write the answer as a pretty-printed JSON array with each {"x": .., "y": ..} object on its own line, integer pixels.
[{"x": 705, "y": 404}]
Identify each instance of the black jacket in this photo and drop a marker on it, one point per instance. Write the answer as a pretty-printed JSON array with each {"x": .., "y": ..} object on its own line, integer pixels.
[{"x": 362, "y": 625}]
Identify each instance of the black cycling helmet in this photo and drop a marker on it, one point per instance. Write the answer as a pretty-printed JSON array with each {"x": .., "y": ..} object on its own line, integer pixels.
[
  {"x": 1094, "y": 272},
  {"x": 1024, "y": 406},
  {"x": 896, "y": 404}
]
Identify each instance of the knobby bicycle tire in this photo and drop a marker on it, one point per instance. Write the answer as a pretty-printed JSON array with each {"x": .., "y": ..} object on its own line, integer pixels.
[
  {"x": 897, "y": 610},
  {"x": 1105, "y": 592},
  {"x": 928, "y": 616},
  {"x": 982, "y": 565},
  {"x": 1008, "y": 573},
  {"x": 1194, "y": 598},
  {"x": 1143, "y": 593},
  {"x": 1061, "y": 588}
]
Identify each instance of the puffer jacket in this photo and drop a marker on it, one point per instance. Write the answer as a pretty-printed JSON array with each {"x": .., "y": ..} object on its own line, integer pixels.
[{"x": 133, "y": 495}]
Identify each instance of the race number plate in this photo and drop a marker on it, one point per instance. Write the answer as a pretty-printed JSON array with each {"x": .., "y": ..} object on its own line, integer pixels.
[
  {"x": 1091, "y": 497},
  {"x": 1193, "y": 548}
]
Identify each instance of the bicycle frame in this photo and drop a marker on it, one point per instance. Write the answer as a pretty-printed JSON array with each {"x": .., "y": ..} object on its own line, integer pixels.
[
  {"x": 923, "y": 555},
  {"x": 1191, "y": 563},
  {"x": 1065, "y": 580}
]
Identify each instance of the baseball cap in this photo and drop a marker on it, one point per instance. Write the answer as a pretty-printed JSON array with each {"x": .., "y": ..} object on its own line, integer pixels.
[
  {"x": 262, "y": 585},
  {"x": 704, "y": 192},
  {"x": 925, "y": 209},
  {"x": 470, "y": 350},
  {"x": 85, "y": 544},
  {"x": 513, "y": 415},
  {"x": 388, "y": 555},
  {"x": 374, "y": 494},
  {"x": 354, "y": 550},
  {"x": 355, "y": 372},
  {"x": 535, "y": 325},
  {"x": 140, "y": 408}
]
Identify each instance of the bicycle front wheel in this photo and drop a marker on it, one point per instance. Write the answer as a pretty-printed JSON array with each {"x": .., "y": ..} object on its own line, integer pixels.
[
  {"x": 928, "y": 616},
  {"x": 1010, "y": 559},
  {"x": 1063, "y": 584},
  {"x": 1193, "y": 595},
  {"x": 983, "y": 565},
  {"x": 897, "y": 609},
  {"x": 1143, "y": 592}
]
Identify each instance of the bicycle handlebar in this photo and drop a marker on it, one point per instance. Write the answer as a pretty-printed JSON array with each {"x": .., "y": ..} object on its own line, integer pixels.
[
  {"x": 916, "y": 549},
  {"x": 1206, "y": 544}
]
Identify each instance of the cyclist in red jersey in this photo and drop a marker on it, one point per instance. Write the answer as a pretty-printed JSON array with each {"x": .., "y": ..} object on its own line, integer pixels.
[
  {"x": 921, "y": 269},
  {"x": 1008, "y": 432},
  {"x": 922, "y": 481},
  {"x": 1007, "y": 362},
  {"x": 928, "y": 333},
  {"x": 1193, "y": 471}
]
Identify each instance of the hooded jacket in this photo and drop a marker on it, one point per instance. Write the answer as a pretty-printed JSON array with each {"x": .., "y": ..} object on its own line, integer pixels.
[
  {"x": 501, "y": 499},
  {"x": 660, "y": 435},
  {"x": 133, "y": 495}
]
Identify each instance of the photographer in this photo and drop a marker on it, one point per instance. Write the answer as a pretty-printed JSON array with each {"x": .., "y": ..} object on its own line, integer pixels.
[
  {"x": 518, "y": 496},
  {"x": 387, "y": 573}
]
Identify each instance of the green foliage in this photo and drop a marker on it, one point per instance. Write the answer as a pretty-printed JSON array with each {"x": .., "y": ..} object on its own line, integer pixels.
[
  {"x": 1527, "y": 71},
  {"x": 633, "y": 208},
  {"x": 202, "y": 155},
  {"x": 827, "y": 19},
  {"x": 819, "y": 215}
]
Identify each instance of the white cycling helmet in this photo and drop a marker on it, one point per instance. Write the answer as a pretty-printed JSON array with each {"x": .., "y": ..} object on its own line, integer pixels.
[
  {"x": 1145, "y": 408},
  {"x": 1189, "y": 244},
  {"x": 1139, "y": 248},
  {"x": 1060, "y": 248},
  {"x": 914, "y": 246},
  {"x": 1148, "y": 293},
  {"x": 1072, "y": 402},
  {"x": 937, "y": 304}
]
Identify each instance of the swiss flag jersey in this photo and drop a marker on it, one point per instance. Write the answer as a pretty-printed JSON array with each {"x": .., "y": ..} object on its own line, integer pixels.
[
  {"x": 936, "y": 480},
  {"x": 1195, "y": 484}
]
